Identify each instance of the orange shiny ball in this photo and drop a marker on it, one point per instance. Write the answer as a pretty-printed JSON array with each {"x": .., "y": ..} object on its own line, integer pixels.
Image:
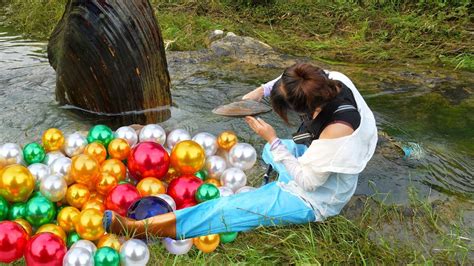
[
  {"x": 54, "y": 229},
  {"x": 96, "y": 150},
  {"x": 97, "y": 196},
  {"x": 94, "y": 204},
  {"x": 119, "y": 149},
  {"x": 67, "y": 218},
  {"x": 150, "y": 186},
  {"x": 89, "y": 226},
  {"x": 207, "y": 244},
  {"x": 187, "y": 157},
  {"x": 105, "y": 183},
  {"x": 226, "y": 140},
  {"x": 84, "y": 170},
  {"x": 216, "y": 182},
  {"x": 114, "y": 167},
  {"x": 53, "y": 139},
  {"x": 77, "y": 195},
  {"x": 26, "y": 225},
  {"x": 111, "y": 241}
]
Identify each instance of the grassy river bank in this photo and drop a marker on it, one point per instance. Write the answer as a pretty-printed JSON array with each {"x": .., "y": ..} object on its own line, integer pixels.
[{"x": 363, "y": 32}]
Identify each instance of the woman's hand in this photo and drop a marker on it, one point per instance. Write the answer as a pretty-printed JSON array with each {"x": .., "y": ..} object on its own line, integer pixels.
[
  {"x": 262, "y": 128},
  {"x": 255, "y": 95}
]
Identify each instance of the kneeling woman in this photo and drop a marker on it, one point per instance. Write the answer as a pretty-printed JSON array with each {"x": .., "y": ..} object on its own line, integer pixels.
[{"x": 318, "y": 169}]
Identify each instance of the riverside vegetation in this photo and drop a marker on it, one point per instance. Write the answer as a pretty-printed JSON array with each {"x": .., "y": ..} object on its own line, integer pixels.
[
  {"x": 437, "y": 32},
  {"x": 358, "y": 32}
]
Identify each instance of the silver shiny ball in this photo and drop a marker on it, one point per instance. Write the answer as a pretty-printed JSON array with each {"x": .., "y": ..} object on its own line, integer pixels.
[
  {"x": 245, "y": 189},
  {"x": 168, "y": 200},
  {"x": 234, "y": 178},
  {"x": 39, "y": 171},
  {"x": 176, "y": 136},
  {"x": 215, "y": 166},
  {"x": 134, "y": 252},
  {"x": 52, "y": 156},
  {"x": 154, "y": 133},
  {"x": 75, "y": 144},
  {"x": 10, "y": 153},
  {"x": 178, "y": 247},
  {"x": 208, "y": 142},
  {"x": 61, "y": 167},
  {"x": 85, "y": 244},
  {"x": 127, "y": 133},
  {"x": 53, "y": 187},
  {"x": 225, "y": 191},
  {"x": 243, "y": 156},
  {"x": 78, "y": 256}
]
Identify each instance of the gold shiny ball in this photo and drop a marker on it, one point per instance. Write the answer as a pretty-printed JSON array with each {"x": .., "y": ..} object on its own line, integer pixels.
[
  {"x": 54, "y": 229},
  {"x": 84, "y": 170},
  {"x": 226, "y": 140},
  {"x": 111, "y": 241},
  {"x": 96, "y": 150},
  {"x": 67, "y": 218},
  {"x": 216, "y": 182},
  {"x": 119, "y": 149},
  {"x": 89, "y": 226},
  {"x": 53, "y": 139},
  {"x": 172, "y": 174},
  {"x": 16, "y": 183},
  {"x": 26, "y": 225},
  {"x": 207, "y": 244},
  {"x": 114, "y": 167},
  {"x": 77, "y": 195},
  {"x": 187, "y": 157},
  {"x": 105, "y": 183},
  {"x": 94, "y": 204},
  {"x": 150, "y": 186}
]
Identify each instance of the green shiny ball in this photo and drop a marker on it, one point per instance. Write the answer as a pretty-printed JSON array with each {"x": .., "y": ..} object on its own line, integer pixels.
[
  {"x": 17, "y": 211},
  {"x": 106, "y": 256},
  {"x": 36, "y": 194},
  {"x": 33, "y": 153},
  {"x": 202, "y": 174},
  {"x": 39, "y": 210},
  {"x": 102, "y": 134},
  {"x": 228, "y": 237},
  {"x": 207, "y": 192},
  {"x": 72, "y": 238},
  {"x": 4, "y": 207}
]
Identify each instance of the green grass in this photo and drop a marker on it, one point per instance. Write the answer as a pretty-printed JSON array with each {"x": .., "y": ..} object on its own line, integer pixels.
[{"x": 367, "y": 31}]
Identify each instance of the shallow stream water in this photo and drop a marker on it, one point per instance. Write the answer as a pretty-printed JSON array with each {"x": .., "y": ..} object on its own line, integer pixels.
[{"x": 427, "y": 114}]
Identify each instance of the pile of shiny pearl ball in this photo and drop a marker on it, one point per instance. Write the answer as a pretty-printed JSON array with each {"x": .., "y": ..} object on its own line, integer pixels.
[{"x": 53, "y": 194}]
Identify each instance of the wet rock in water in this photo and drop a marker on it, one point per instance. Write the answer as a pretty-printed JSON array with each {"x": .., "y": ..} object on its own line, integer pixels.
[
  {"x": 242, "y": 108},
  {"x": 110, "y": 61},
  {"x": 251, "y": 51}
]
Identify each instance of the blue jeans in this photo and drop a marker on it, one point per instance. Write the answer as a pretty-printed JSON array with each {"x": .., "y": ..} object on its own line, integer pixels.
[{"x": 267, "y": 206}]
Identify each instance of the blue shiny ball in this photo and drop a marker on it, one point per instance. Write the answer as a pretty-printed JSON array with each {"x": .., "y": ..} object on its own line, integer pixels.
[{"x": 147, "y": 207}]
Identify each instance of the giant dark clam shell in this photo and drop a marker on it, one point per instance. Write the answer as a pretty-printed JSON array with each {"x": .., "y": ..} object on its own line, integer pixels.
[{"x": 110, "y": 60}]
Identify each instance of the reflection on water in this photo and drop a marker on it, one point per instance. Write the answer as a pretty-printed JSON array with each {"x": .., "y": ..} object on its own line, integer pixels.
[{"x": 428, "y": 114}]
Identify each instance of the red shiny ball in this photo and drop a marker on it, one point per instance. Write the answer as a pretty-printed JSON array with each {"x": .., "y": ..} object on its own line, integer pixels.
[
  {"x": 45, "y": 249},
  {"x": 13, "y": 239},
  {"x": 183, "y": 189},
  {"x": 120, "y": 198},
  {"x": 148, "y": 159}
]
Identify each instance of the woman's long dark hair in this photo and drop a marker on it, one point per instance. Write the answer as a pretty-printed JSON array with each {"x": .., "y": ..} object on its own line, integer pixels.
[{"x": 302, "y": 88}]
